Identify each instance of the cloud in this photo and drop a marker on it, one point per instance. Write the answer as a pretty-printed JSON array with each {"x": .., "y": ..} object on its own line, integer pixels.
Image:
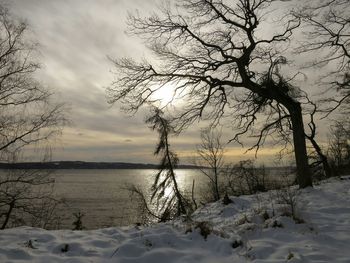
[{"x": 75, "y": 38}]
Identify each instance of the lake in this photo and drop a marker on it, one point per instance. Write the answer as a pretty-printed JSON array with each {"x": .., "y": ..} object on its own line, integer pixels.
[
  {"x": 102, "y": 197},
  {"x": 101, "y": 194}
]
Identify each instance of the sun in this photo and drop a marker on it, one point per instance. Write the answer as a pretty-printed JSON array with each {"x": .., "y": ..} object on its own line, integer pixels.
[{"x": 166, "y": 95}]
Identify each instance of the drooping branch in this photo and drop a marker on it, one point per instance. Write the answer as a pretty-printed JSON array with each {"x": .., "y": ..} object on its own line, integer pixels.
[{"x": 165, "y": 179}]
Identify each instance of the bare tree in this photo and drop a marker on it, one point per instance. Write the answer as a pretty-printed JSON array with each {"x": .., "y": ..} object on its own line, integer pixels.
[
  {"x": 211, "y": 154},
  {"x": 339, "y": 144},
  {"x": 27, "y": 113},
  {"x": 28, "y": 117},
  {"x": 26, "y": 198},
  {"x": 165, "y": 189},
  {"x": 328, "y": 31},
  {"x": 214, "y": 55},
  {"x": 320, "y": 157},
  {"x": 327, "y": 25}
]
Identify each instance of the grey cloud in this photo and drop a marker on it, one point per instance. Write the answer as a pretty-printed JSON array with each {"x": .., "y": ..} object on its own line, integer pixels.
[{"x": 76, "y": 36}]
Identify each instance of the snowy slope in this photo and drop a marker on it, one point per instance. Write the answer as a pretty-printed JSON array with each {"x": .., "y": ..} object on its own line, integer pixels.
[{"x": 256, "y": 228}]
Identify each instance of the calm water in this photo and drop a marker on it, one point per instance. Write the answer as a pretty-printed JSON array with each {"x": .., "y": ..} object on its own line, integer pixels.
[{"x": 102, "y": 197}]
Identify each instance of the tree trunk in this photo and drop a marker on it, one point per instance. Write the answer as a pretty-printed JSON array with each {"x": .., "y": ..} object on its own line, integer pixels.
[
  {"x": 217, "y": 194},
  {"x": 8, "y": 214},
  {"x": 326, "y": 167},
  {"x": 303, "y": 170},
  {"x": 181, "y": 209}
]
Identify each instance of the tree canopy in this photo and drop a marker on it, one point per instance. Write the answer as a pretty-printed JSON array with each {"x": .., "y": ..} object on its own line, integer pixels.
[{"x": 222, "y": 61}]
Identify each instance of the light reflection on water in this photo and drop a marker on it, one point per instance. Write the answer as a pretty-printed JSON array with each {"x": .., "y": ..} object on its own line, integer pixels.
[{"x": 102, "y": 197}]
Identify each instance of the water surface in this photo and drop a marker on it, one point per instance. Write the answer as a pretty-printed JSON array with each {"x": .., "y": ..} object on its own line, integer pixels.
[{"x": 102, "y": 195}]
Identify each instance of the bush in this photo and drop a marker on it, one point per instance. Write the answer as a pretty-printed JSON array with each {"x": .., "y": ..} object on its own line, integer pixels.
[
  {"x": 245, "y": 178},
  {"x": 78, "y": 223},
  {"x": 205, "y": 228}
]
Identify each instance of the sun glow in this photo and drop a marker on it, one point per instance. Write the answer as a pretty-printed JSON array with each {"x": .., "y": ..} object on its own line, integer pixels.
[{"x": 166, "y": 95}]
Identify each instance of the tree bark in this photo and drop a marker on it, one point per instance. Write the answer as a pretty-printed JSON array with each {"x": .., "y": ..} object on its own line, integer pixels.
[{"x": 303, "y": 170}]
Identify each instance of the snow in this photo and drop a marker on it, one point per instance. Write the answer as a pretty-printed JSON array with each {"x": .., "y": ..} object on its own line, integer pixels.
[{"x": 255, "y": 228}]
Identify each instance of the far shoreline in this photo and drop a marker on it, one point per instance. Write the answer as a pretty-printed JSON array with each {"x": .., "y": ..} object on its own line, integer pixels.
[{"x": 60, "y": 165}]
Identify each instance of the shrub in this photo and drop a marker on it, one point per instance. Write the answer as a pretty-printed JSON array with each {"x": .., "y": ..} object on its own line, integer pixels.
[
  {"x": 78, "y": 223},
  {"x": 205, "y": 228}
]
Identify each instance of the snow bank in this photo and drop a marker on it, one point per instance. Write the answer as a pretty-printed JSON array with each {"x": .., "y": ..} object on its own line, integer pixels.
[{"x": 256, "y": 228}]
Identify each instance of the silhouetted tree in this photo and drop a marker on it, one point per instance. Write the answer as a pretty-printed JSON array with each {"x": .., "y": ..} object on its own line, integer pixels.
[
  {"x": 28, "y": 117},
  {"x": 211, "y": 154},
  {"x": 339, "y": 144},
  {"x": 26, "y": 198},
  {"x": 328, "y": 36},
  {"x": 165, "y": 189},
  {"x": 27, "y": 113},
  {"x": 215, "y": 57},
  {"x": 320, "y": 157}
]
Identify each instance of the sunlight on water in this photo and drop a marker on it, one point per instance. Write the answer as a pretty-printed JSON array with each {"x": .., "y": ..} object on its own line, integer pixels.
[
  {"x": 168, "y": 191},
  {"x": 103, "y": 197}
]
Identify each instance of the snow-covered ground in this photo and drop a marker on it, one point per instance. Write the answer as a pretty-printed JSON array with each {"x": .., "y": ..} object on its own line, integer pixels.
[{"x": 255, "y": 228}]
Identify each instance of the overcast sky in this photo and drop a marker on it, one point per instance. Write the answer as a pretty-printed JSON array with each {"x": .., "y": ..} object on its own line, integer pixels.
[{"x": 75, "y": 38}]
